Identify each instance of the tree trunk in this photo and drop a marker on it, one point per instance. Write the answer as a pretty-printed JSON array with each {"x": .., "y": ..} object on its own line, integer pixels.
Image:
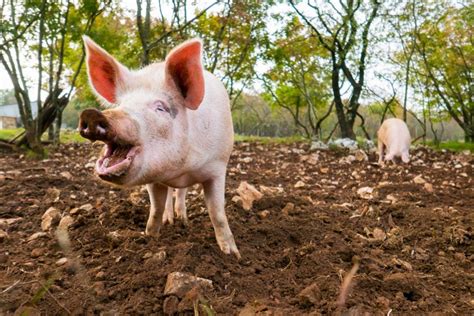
[{"x": 57, "y": 130}]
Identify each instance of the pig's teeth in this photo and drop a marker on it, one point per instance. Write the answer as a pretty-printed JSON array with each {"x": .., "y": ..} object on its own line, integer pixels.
[{"x": 106, "y": 162}]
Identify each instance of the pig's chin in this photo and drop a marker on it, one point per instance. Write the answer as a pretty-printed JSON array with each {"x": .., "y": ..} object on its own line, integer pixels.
[{"x": 116, "y": 161}]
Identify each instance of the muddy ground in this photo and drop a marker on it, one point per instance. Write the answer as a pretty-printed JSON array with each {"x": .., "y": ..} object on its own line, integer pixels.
[{"x": 412, "y": 238}]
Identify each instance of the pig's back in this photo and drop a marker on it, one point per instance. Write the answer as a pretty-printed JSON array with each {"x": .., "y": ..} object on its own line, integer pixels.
[{"x": 395, "y": 135}]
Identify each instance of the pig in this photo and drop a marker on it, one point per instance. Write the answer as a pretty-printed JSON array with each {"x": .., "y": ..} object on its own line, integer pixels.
[
  {"x": 393, "y": 138},
  {"x": 167, "y": 125}
]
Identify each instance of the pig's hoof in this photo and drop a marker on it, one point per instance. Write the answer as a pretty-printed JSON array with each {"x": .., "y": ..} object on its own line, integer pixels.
[
  {"x": 152, "y": 231},
  {"x": 229, "y": 247},
  {"x": 167, "y": 218}
]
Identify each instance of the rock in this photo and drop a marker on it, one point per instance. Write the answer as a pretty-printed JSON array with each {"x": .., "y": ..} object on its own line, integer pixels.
[
  {"x": 299, "y": 184},
  {"x": 360, "y": 155},
  {"x": 38, "y": 252},
  {"x": 311, "y": 295},
  {"x": 428, "y": 187},
  {"x": 318, "y": 145},
  {"x": 5, "y": 222},
  {"x": 270, "y": 190},
  {"x": 264, "y": 214},
  {"x": 344, "y": 143},
  {"x": 324, "y": 170},
  {"x": 62, "y": 261},
  {"x": 66, "y": 174},
  {"x": 419, "y": 180},
  {"x": 179, "y": 283},
  {"x": 366, "y": 193},
  {"x": 347, "y": 160},
  {"x": 157, "y": 258},
  {"x": 288, "y": 209},
  {"x": 86, "y": 207},
  {"x": 248, "y": 194},
  {"x": 170, "y": 305},
  {"x": 49, "y": 218},
  {"x": 379, "y": 234},
  {"x": 65, "y": 222},
  {"x": 247, "y": 160},
  {"x": 367, "y": 144},
  {"x": 36, "y": 236},
  {"x": 3, "y": 235},
  {"x": 392, "y": 199},
  {"x": 100, "y": 275}
]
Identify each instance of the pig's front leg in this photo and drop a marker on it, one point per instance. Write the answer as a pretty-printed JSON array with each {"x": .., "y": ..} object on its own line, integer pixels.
[
  {"x": 180, "y": 205},
  {"x": 214, "y": 197},
  {"x": 157, "y": 193},
  {"x": 168, "y": 216}
]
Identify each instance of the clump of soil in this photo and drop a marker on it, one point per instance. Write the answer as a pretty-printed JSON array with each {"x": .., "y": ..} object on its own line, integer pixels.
[{"x": 412, "y": 239}]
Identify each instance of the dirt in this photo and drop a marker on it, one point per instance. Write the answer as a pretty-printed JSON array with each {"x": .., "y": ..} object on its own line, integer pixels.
[{"x": 412, "y": 239}]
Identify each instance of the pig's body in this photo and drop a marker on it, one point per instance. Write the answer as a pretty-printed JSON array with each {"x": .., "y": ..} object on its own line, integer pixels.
[
  {"x": 170, "y": 127},
  {"x": 393, "y": 140}
]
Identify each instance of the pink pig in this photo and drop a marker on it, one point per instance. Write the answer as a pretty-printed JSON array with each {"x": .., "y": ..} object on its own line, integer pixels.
[
  {"x": 393, "y": 137},
  {"x": 169, "y": 126}
]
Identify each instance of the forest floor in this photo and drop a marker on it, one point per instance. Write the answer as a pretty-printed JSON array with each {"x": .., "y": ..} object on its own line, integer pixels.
[{"x": 408, "y": 228}]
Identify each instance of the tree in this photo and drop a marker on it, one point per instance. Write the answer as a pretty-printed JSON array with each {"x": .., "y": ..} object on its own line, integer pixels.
[
  {"x": 444, "y": 61},
  {"x": 298, "y": 80},
  {"x": 345, "y": 36},
  {"x": 45, "y": 29}
]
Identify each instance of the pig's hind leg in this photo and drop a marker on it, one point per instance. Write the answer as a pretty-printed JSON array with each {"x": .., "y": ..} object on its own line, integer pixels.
[
  {"x": 180, "y": 205},
  {"x": 157, "y": 193},
  {"x": 215, "y": 201},
  {"x": 168, "y": 216},
  {"x": 381, "y": 148}
]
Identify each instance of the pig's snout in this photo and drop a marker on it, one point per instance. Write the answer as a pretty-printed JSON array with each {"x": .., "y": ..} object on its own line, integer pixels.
[{"x": 94, "y": 125}]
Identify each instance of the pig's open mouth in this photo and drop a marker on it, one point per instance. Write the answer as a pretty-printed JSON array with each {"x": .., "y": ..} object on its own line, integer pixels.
[{"x": 116, "y": 160}]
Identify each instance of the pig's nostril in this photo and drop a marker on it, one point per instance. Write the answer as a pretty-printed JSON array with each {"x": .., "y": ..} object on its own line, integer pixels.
[
  {"x": 102, "y": 125},
  {"x": 84, "y": 126}
]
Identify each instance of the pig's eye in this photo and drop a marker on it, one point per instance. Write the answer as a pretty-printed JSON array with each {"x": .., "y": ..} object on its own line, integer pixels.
[{"x": 160, "y": 106}]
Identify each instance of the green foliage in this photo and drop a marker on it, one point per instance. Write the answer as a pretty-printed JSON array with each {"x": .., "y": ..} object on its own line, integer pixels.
[{"x": 452, "y": 145}]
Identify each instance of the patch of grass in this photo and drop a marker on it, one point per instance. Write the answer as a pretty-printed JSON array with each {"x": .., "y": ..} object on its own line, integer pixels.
[
  {"x": 67, "y": 135},
  {"x": 452, "y": 145},
  {"x": 7, "y": 134},
  {"x": 270, "y": 140},
  {"x": 71, "y": 136}
]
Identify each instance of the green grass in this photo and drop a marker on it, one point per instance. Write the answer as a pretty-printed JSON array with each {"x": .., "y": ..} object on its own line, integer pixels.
[
  {"x": 7, "y": 134},
  {"x": 270, "y": 140},
  {"x": 452, "y": 145},
  {"x": 67, "y": 136}
]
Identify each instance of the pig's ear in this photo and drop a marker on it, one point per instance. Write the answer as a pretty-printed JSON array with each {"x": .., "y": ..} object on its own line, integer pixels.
[
  {"x": 184, "y": 68},
  {"x": 106, "y": 75}
]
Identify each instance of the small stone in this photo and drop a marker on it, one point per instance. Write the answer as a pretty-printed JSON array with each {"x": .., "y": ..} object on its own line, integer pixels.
[
  {"x": 66, "y": 174},
  {"x": 49, "y": 218},
  {"x": 360, "y": 155},
  {"x": 248, "y": 194},
  {"x": 428, "y": 187},
  {"x": 366, "y": 193},
  {"x": 247, "y": 159},
  {"x": 62, "y": 261},
  {"x": 5, "y": 222},
  {"x": 263, "y": 214},
  {"x": 460, "y": 256},
  {"x": 289, "y": 207},
  {"x": 3, "y": 235},
  {"x": 179, "y": 283},
  {"x": 379, "y": 234},
  {"x": 36, "y": 236},
  {"x": 86, "y": 207},
  {"x": 324, "y": 170},
  {"x": 170, "y": 305},
  {"x": 99, "y": 288},
  {"x": 3, "y": 258},
  {"x": 309, "y": 296},
  {"x": 65, "y": 222},
  {"x": 299, "y": 184},
  {"x": 89, "y": 165},
  {"x": 147, "y": 255},
  {"x": 100, "y": 275},
  {"x": 419, "y": 180},
  {"x": 37, "y": 252}
]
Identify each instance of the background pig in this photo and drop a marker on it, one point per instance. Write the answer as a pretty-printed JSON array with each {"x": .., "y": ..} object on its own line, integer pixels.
[
  {"x": 169, "y": 125},
  {"x": 393, "y": 139}
]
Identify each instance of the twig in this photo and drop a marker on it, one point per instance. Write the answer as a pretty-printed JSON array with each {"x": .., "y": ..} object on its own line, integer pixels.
[
  {"x": 347, "y": 282},
  {"x": 11, "y": 286}
]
